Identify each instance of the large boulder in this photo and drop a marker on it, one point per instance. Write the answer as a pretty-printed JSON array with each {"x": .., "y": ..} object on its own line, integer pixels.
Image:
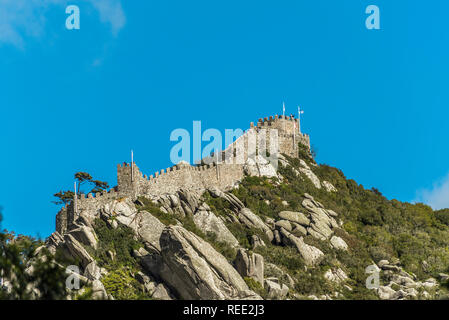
[
  {"x": 260, "y": 167},
  {"x": 338, "y": 243},
  {"x": 273, "y": 271},
  {"x": 443, "y": 277},
  {"x": 382, "y": 263},
  {"x": 209, "y": 222},
  {"x": 297, "y": 217},
  {"x": 386, "y": 293},
  {"x": 250, "y": 265},
  {"x": 92, "y": 271},
  {"x": 236, "y": 204},
  {"x": 248, "y": 218},
  {"x": 391, "y": 267},
  {"x": 189, "y": 200},
  {"x": 148, "y": 283},
  {"x": 321, "y": 228},
  {"x": 98, "y": 291},
  {"x": 161, "y": 292},
  {"x": 298, "y": 230},
  {"x": 151, "y": 262},
  {"x": 149, "y": 230},
  {"x": 311, "y": 255},
  {"x": 277, "y": 237},
  {"x": 335, "y": 275},
  {"x": 182, "y": 203},
  {"x": 284, "y": 224},
  {"x": 276, "y": 290},
  {"x": 87, "y": 217},
  {"x": 329, "y": 186},
  {"x": 430, "y": 283},
  {"x": 124, "y": 207},
  {"x": 195, "y": 270},
  {"x": 322, "y": 222},
  {"x": 53, "y": 241},
  {"x": 256, "y": 241},
  {"x": 305, "y": 170},
  {"x": 76, "y": 250},
  {"x": 403, "y": 281},
  {"x": 411, "y": 293},
  {"x": 122, "y": 210},
  {"x": 85, "y": 235}
]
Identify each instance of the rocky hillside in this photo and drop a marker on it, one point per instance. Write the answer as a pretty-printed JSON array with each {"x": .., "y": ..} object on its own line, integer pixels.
[{"x": 302, "y": 232}]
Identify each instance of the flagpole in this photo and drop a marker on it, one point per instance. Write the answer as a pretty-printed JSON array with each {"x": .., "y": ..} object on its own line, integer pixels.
[
  {"x": 132, "y": 166},
  {"x": 294, "y": 134},
  {"x": 283, "y": 116},
  {"x": 75, "y": 201},
  {"x": 299, "y": 119}
]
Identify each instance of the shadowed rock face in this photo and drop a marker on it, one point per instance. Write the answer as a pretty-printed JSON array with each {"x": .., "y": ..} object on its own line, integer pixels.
[
  {"x": 206, "y": 220},
  {"x": 250, "y": 264},
  {"x": 77, "y": 250},
  {"x": 149, "y": 230},
  {"x": 248, "y": 218},
  {"x": 178, "y": 264},
  {"x": 196, "y": 271},
  {"x": 297, "y": 217},
  {"x": 85, "y": 235}
]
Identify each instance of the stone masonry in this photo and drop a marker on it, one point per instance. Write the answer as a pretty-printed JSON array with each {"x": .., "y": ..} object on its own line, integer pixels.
[{"x": 222, "y": 171}]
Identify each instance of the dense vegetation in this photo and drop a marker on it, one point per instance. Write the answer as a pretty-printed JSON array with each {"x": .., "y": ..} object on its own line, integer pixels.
[
  {"x": 21, "y": 264},
  {"x": 375, "y": 228},
  {"x": 115, "y": 254},
  {"x": 83, "y": 179},
  {"x": 188, "y": 224}
]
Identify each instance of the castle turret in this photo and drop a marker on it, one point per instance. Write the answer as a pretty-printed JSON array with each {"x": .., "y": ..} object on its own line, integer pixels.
[
  {"x": 128, "y": 176},
  {"x": 278, "y": 134},
  {"x": 289, "y": 133}
]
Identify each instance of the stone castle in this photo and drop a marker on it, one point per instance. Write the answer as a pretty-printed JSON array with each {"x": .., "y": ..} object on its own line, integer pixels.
[{"x": 222, "y": 172}]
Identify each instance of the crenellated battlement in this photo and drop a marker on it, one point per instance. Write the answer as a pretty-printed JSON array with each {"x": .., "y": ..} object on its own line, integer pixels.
[
  {"x": 280, "y": 122},
  {"x": 222, "y": 170},
  {"x": 112, "y": 193}
]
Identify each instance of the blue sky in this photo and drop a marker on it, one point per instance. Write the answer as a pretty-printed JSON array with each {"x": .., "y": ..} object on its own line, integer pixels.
[{"x": 80, "y": 100}]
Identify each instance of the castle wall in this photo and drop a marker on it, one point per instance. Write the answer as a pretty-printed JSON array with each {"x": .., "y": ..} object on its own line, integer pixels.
[
  {"x": 61, "y": 220},
  {"x": 188, "y": 177},
  {"x": 224, "y": 175},
  {"x": 288, "y": 132}
]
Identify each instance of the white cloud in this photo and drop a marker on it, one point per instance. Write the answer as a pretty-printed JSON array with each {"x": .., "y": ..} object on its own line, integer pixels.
[
  {"x": 111, "y": 12},
  {"x": 438, "y": 196},
  {"x": 20, "y": 19}
]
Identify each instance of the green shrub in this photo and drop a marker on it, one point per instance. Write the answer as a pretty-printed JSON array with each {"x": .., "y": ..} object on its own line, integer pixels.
[
  {"x": 256, "y": 287},
  {"x": 217, "y": 205},
  {"x": 284, "y": 256},
  {"x": 312, "y": 282},
  {"x": 85, "y": 295},
  {"x": 443, "y": 216},
  {"x": 122, "y": 286},
  {"x": 120, "y": 240},
  {"x": 225, "y": 249},
  {"x": 155, "y": 210}
]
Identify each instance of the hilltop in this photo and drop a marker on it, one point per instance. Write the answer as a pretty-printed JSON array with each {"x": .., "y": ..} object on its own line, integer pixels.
[{"x": 251, "y": 229}]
